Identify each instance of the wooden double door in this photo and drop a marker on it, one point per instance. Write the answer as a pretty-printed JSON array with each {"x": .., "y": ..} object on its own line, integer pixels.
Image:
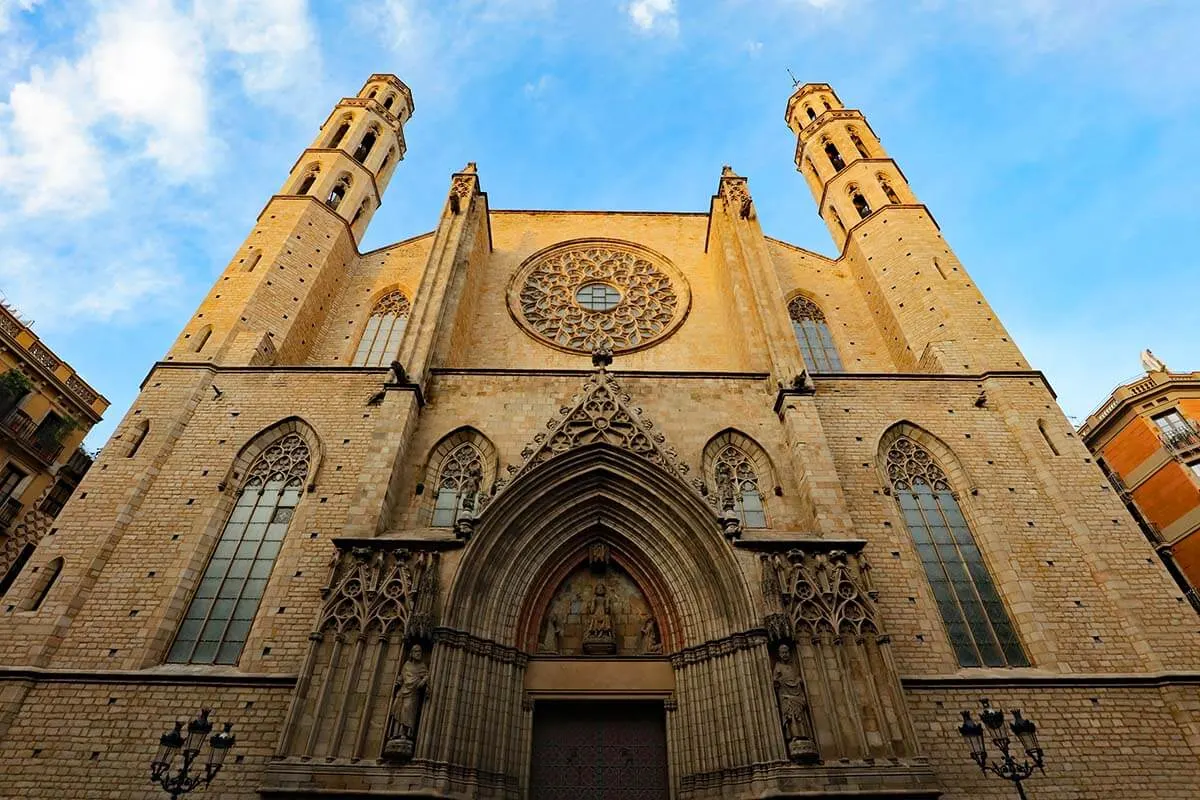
[{"x": 603, "y": 750}]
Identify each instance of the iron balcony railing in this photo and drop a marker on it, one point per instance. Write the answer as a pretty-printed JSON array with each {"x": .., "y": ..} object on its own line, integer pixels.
[
  {"x": 9, "y": 511},
  {"x": 24, "y": 430},
  {"x": 1181, "y": 440},
  {"x": 78, "y": 463}
]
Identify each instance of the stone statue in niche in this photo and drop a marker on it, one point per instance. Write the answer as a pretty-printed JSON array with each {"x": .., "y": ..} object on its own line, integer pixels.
[
  {"x": 598, "y": 637},
  {"x": 407, "y": 698},
  {"x": 651, "y": 642},
  {"x": 551, "y": 643},
  {"x": 793, "y": 707}
]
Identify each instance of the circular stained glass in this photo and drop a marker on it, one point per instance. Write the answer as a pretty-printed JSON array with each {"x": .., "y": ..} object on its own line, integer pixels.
[
  {"x": 597, "y": 297},
  {"x": 591, "y": 293}
]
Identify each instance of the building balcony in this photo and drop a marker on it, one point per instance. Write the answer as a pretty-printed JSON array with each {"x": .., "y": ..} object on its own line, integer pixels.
[
  {"x": 10, "y": 509},
  {"x": 1181, "y": 442},
  {"x": 24, "y": 431}
]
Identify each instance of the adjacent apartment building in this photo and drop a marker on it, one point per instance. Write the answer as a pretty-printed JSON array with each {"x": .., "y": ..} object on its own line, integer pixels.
[
  {"x": 1146, "y": 437},
  {"x": 46, "y": 410}
]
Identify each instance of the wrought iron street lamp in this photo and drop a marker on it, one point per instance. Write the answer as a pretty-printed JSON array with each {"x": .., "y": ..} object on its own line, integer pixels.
[
  {"x": 176, "y": 744},
  {"x": 1006, "y": 766}
]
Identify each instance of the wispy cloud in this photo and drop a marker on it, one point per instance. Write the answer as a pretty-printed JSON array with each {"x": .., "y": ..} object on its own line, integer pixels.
[{"x": 655, "y": 16}]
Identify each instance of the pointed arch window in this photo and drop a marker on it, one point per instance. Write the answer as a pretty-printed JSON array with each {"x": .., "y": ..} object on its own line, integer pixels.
[
  {"x": 811, "y": 114},
  {"x": 459, "y": 481},
  {"x": 858, "y": 144},
  {"x": 385, "y": 327},
  {"x": 835, "y": 157},
  {"x": 364, "y": 147},
  {"x": 860, "y": 203},
  {"x": 307, "y": 182},
  {"x": 978, "y": 624},
  {"x": 888, "y": 190},
  {"x": 391, "y": 98},
  {"x": 812, "y": 332},
  {"x": 218, "y": 620},
  {"x": 737, "y": 480},
  {"x": 338, "y": 194},
  {"x": 339, "y": 134}
]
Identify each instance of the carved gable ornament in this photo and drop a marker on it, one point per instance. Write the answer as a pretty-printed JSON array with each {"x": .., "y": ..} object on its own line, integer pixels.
[{"x": 599, "y": 414}]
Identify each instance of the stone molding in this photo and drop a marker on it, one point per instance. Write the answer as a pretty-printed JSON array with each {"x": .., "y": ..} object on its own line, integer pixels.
[
  {"x": 461, "y": 640},
  {"x": 727, "y": 645}
]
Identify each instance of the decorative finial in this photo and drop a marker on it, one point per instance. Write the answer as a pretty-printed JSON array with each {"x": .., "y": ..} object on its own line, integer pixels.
[
  {"x": 602, "y": 355},
  {"x": 795, "y": 83},
  {"x": 1151, "y": 362}
]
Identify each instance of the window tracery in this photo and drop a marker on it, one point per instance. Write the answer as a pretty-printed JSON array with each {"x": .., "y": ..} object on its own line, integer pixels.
[
  {"x": 977, "y": 623},
  {"x": 459, "y": 482},
  {"x": 737, "y": 486},
  {"x": 385, "y": 327},
  {"x": 588, "y": 295},
  {"x": 812, "y": 332},
  {"x": 221, "y": 612}
]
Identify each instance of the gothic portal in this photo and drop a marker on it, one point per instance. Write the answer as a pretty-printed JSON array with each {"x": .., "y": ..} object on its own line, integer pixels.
[{"x": 613, "y": 505}]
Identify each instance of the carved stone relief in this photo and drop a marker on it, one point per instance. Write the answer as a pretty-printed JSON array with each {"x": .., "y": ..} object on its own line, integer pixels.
[
  {"x": 586, "y": 294},
  {"x": 836, "y": 685},
  {"x": 599, "y": 612}
]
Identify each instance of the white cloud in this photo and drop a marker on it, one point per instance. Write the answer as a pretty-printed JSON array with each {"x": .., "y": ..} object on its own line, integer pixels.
[
  {"x": 139, "y": 279},
  {"x": 8, "y": 9},
  {"x": 53, "y": 164},
  {"x": 273, "y": 41},
  {"x": 147, "y": 76},
  {"x": 655, "y": 16}
]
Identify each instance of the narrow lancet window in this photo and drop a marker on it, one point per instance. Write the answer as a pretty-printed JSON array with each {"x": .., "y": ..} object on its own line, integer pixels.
[
  {"x": 835, "y": 157},
  {"x": 364, "y": 147},
  {"x": 307, "y": 183},
  {"x": 737, "y": 483},
  {"x": 218, "y": 620},
  {"x": 811, "y": 114},
  {"x": 459, "y": 481},
  {"x": 339, "y": 134},
  {"x": 337, "y": 195},
  {"x": 812, "y": 332},
  {"x": 978, "y": 624},
  {"x": 385, "y": 327},
  {"x": 860, "y": 204},
  {"x": 888, "y": 191},
  {"x": 858, "y": 144}
]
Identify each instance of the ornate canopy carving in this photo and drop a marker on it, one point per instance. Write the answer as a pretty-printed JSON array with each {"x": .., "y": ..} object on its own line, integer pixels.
[{"x": 642, "y": 297}]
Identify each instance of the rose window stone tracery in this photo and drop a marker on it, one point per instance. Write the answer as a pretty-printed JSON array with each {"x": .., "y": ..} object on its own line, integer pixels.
[{"x": 588, "y": 294}]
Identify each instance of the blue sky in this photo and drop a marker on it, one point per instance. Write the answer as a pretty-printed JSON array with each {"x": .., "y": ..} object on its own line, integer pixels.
[{"x": 1054, "y": 140}]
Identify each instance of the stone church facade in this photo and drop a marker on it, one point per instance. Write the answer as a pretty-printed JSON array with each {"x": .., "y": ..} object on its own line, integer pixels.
[{"x": 596, "y": 504}]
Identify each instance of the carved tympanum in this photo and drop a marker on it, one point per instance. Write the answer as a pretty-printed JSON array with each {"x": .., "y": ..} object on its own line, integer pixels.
[
  {"x": 598, "y": 612},
  {"x": 590, "y": 294}
]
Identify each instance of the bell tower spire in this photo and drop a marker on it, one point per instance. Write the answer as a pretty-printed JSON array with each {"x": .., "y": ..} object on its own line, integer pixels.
[
  {"x": 931, "y": 314},
  {"x": 272, "y": 298}
]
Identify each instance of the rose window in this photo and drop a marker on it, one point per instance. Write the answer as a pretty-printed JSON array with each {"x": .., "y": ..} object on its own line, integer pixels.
[{"x": 590, "y": 294}]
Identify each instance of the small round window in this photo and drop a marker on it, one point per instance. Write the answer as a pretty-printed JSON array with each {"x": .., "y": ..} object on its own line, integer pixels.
[{"x": 597, "y": 297}]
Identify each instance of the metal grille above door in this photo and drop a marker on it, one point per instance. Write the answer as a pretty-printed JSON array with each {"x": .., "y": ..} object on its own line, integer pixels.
[{"x": 606, "y": 750}]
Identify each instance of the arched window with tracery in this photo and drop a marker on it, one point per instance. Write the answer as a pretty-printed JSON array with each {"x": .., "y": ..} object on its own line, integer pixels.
[
  {"x": 812, "y": 333},
  {"x": 366, "y": 145},
  {"x": 218, "y": 619},
  {"x": 978, "y": 624},
  {"x": 835, "y": 157},
  {"x": 460, "y": 478},
  {"x": 310, "y": 177},
  {"x": 381, "y": 340},
  {"x": 736, "y": 481},
  {"x": 860, "y": 203}
]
